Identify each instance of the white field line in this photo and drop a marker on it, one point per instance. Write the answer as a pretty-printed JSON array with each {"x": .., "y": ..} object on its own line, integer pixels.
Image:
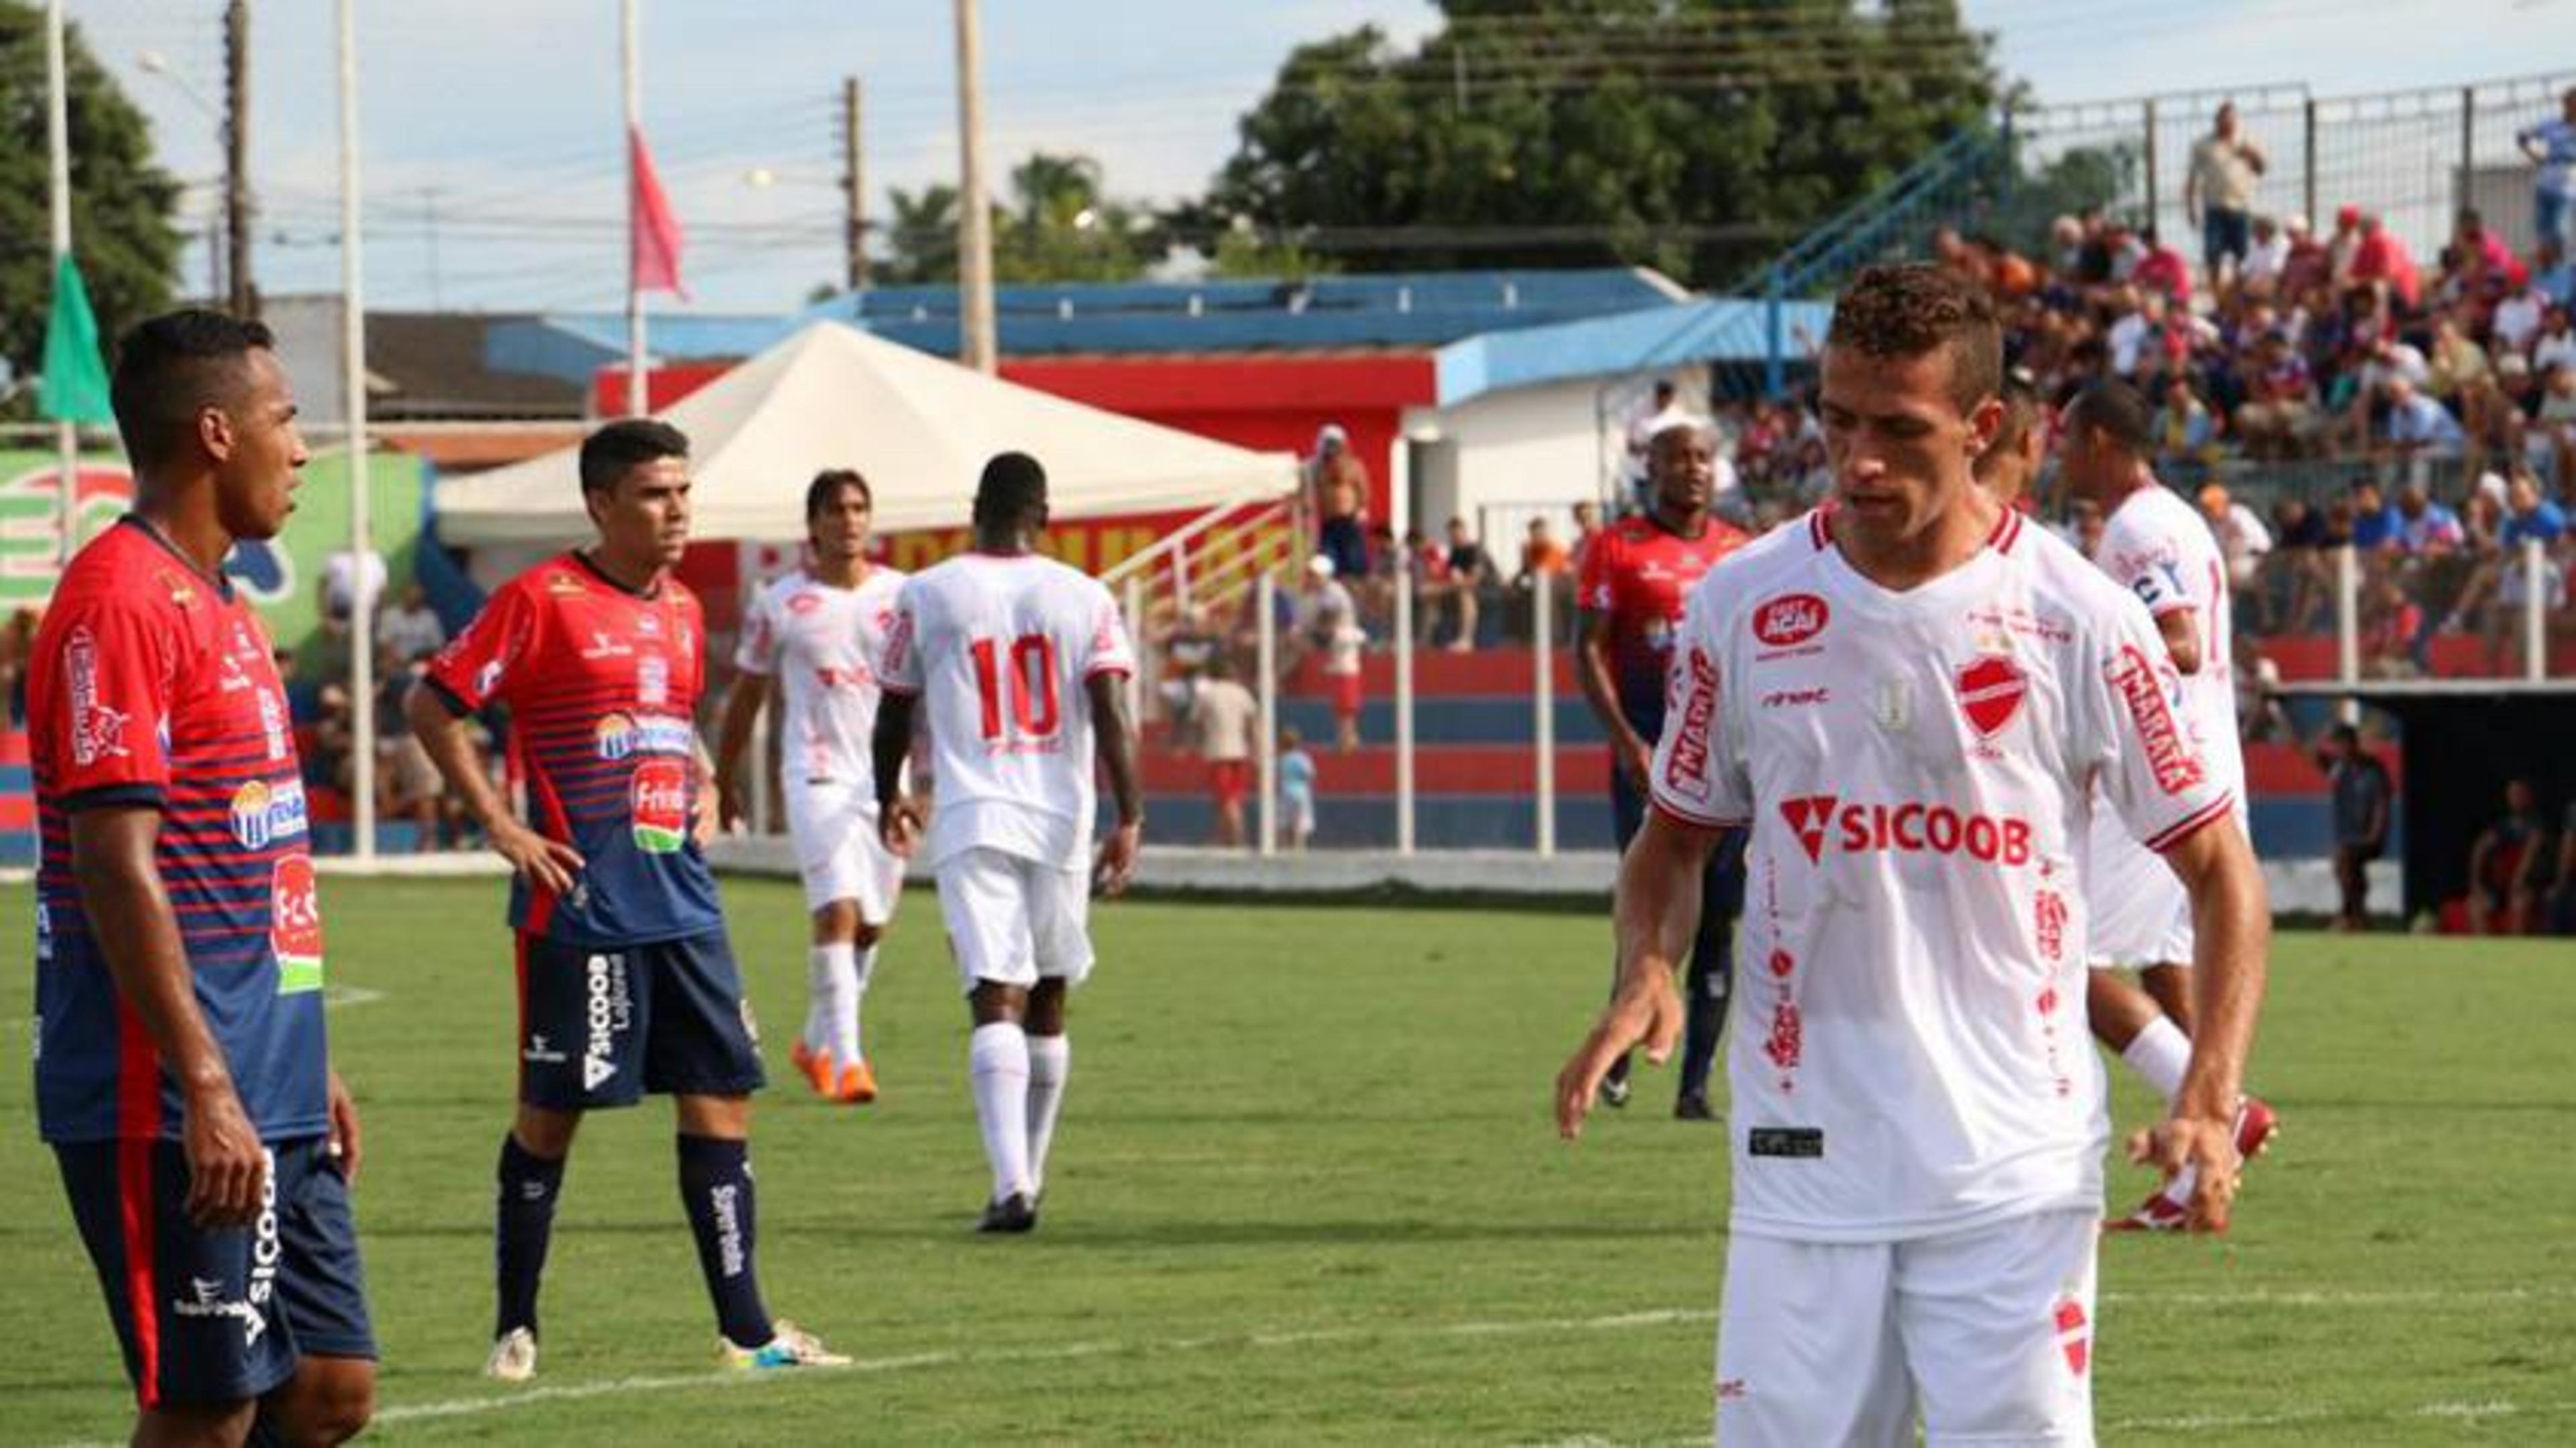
[
  {"x": 1655, "y": 1317},
  {"x": 1649, "y": 1318}
]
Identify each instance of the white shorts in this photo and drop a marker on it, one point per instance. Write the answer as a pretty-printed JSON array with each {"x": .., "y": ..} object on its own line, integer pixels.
[
  {"x": 834, "y": 827},
  {"x": 1012, "y": 920},
  {"x": 2139, "y": 913},
  {"x": 1987, "y": 1333}
]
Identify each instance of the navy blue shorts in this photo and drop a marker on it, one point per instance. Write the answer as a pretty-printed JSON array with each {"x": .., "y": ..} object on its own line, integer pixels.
[
  {"x": 216, "y": 1316},
  {"x": 601, "y": 1025}
]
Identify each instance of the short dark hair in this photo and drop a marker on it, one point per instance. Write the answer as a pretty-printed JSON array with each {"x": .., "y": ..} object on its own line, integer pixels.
[
  {"x": 1915, "y": 308},
  {"x": 607, "y": 455},
  {"x": 170, "y": 366},
  {"x": 2020, "y": 394},
  {"x": 1012, "y": 490},
  {"x": 827, "y": 486},
  {"x": 2346, "y": 734},
  {"x": 2116, "y": 410}
]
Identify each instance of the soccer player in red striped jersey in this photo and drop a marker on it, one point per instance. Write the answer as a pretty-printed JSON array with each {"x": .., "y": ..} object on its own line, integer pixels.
[
  {"x": 1635, "y": 575},
  {"x": 181, "y": 1072},
  {"x": 626, "y": 982}
]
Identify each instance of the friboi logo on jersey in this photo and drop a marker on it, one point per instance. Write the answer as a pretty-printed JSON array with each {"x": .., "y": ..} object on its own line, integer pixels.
[
  {"x": 295, "y": 925},
  {"x": 1991, "y": 690},
  {"x": 660, "y": 796},
  {"x": 1791, "y": 619}
]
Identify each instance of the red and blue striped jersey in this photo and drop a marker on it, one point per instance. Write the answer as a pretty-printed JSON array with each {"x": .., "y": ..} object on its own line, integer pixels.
[
  {"x": 602, "y": 685},
  {"x": 152, "y": 685}
]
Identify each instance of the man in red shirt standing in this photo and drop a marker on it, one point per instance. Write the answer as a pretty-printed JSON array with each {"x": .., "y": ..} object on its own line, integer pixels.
[{"x": 1635, "y": 575}]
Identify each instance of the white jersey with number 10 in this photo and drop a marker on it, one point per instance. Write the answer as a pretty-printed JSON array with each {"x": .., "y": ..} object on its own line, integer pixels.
[{"x": 1002, "y": 647}]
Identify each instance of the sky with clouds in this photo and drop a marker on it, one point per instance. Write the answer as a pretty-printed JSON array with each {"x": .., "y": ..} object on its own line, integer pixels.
[{"x": 491, "y": 127}]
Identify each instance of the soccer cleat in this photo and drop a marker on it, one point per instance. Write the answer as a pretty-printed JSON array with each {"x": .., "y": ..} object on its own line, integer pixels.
[
  {"x": 2158, "y": 1213},
  {"x": 1693, "y": 1106},
  {"x": 1014, "y": 1213},
  {"x": 514, "y": 1356},
  {"x": 2256, "y": 1124},
  {"x": 857, "y": 1085},
  {"x": 2168, "y": 1209},
  {"x": 1614, "y": 1091},
  {"x": 789, "y": 1346}
]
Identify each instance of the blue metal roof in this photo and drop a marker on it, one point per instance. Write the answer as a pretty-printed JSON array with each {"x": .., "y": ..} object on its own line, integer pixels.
[
  {"x": 1410, "y": 311},
  {"x": 1718, "y": 329},
  {"x": 1487, "y": 330}
]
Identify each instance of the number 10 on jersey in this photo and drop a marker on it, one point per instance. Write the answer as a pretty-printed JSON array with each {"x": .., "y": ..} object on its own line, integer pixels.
[{"x": 1030, "y": 682}]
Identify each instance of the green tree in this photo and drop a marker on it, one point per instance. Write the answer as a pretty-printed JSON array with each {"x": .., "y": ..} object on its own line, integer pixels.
[
  {"x": 122, "y": 203},
  {"x": 922, "y": 236},
  {"x": 1694, "y": 135},
  {"x": 1060, "y": 226}
]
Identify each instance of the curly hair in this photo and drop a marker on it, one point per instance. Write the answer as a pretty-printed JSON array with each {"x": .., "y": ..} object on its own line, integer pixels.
[{"x": 1913, "y": 309}]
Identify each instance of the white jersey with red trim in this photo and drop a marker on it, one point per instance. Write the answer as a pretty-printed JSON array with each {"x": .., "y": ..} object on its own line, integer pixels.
[
  {"x": 820, "y": 642},
  {"x": 2159, "y": 547},
  {"x": 1910, "y": 1055},
  {"x": 1002, "y": 648}
]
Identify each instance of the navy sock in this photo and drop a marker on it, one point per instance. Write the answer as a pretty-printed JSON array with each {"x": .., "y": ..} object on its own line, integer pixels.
[
  {"x": 523, "y": 1223},
  {"x": 715, "y": 1185}
]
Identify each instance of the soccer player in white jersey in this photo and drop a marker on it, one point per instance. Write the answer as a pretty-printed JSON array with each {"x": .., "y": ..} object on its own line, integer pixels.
[
  {"x": 1024, "y": 664},
  {"x": 813, "y": 637},
  {"x": 2158, "y": 547},
  {"x": 1906, "y": 697}
]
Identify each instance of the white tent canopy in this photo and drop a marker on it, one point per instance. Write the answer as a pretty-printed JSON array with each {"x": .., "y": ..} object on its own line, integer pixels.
[{"x": 918, "y": 427}]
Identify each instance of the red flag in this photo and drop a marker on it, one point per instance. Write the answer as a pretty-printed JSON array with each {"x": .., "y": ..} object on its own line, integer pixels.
[{"x": 652, "y": 232}]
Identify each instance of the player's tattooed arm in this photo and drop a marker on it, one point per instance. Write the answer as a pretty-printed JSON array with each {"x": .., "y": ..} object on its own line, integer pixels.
[
  {"x": 443, "y": 735},
  {"x": 113, "y": 865},
  {"x": 1114, "y": 737}
]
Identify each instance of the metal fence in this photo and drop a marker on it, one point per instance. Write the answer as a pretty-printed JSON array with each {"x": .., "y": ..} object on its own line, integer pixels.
[{"x": 2415, "y": 157}]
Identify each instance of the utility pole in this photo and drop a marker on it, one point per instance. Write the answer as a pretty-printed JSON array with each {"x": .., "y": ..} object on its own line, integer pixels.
[
  {"x": 854, "y": 185},
  {"x": 244, "y": 298},
  {"x": 974, "y": 220}
]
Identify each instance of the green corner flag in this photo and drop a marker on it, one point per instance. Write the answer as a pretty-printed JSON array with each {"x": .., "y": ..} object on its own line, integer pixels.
[{"x": 74, "y": 388}]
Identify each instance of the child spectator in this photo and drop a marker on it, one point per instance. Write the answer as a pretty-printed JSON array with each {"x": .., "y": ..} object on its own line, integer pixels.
[{"x": 1296, "y": 789}]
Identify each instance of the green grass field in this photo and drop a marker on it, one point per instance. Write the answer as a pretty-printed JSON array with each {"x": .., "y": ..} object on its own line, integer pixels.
[{"x": 1306, "y": 1191}]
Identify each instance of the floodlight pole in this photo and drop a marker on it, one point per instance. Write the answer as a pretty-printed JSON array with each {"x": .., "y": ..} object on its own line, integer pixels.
[
  {"x": 1266, "y": 754},
  {"x": 977, "y": 342},
  {"x": 630, "y": 48},
  {"x": 58, "y": 144},
  {"x": 353, "y": 394},
  {"x": 1543, "y": 703}
]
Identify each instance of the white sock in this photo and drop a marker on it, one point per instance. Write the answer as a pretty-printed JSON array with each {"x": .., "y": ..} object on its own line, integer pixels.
[
  {"x": 863, "y": 963},
  {"x": 2160, "y": 1054},
  {"x": 828, "y": 1000},
  {"x": 818, "y": 991},
  {"x": 998, "y": 1064},
  {"x": 1050, "y": 1062}
]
